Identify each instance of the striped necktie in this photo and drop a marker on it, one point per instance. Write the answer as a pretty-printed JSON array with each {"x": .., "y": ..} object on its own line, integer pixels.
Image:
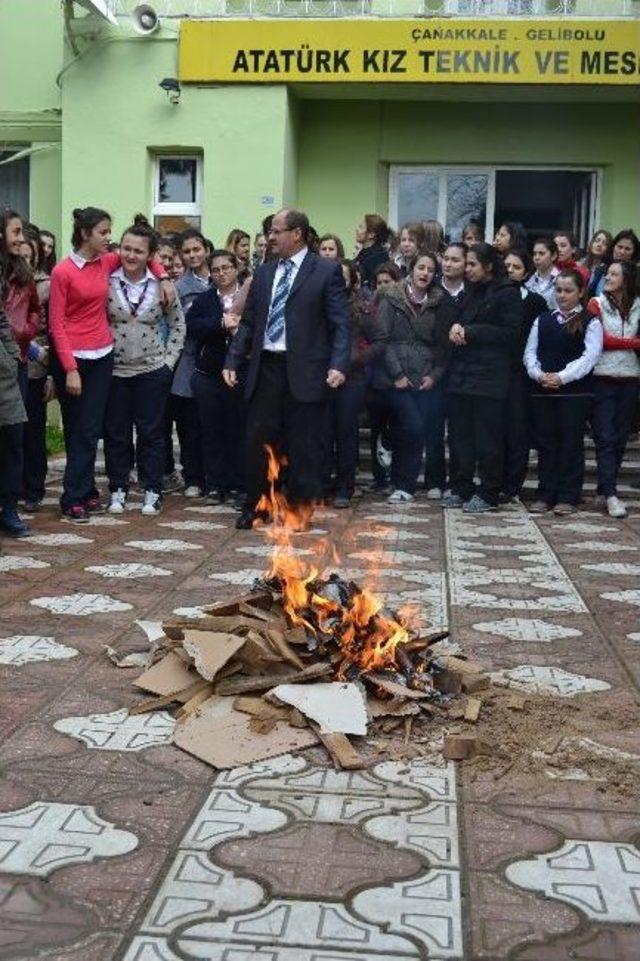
[{"x": 275, "y": 322}]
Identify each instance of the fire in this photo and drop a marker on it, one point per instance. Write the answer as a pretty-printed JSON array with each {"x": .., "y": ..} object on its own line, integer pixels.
[{"x": 364, "y": 633}]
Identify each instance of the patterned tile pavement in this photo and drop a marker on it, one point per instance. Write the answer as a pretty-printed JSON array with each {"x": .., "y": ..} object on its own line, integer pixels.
[{"x": 115, "y": 846}]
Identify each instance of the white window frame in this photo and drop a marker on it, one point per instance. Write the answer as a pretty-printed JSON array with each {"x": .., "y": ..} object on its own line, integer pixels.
[
  {"x": 164, "y": 209},
  {"x": 442, "y": 171}
]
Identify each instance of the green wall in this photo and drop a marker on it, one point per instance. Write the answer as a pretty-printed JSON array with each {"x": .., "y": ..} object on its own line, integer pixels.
[
  {"x": 30, "y": 100},
  {"x": 116, "y": 117},
  {"x": 347, "y": 146}
]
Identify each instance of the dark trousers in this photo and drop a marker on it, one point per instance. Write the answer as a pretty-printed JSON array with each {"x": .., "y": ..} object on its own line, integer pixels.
[
  {"x": 435, "y": 467},
  {"x": 345, "y": 405},
  {"x": 139, "y": 402},
  {"x": 11, "y": 461},
  {"x": 614, "y": 407},
  {"x": 35, "y": 441},
  {"x": 276, "y": 418},
  {"x": 82, "y": 420},
  {"x": 221, "y": 414},
  {"x": 185, "y": 413},
  {"x": 559, "y": 424},
  {"x": 379, "y": 416},
  {"x": 412, "y": 411},
  {"x": 517, "y": 434},
  {"x": 476, "y": 429}
]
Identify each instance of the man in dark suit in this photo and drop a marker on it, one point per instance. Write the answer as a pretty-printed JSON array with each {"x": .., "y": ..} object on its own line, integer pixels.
[{"x": 296, "y": 328}]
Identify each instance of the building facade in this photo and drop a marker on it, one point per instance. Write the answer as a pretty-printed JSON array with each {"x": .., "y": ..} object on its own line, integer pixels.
[{"x": 457, "y": 110}]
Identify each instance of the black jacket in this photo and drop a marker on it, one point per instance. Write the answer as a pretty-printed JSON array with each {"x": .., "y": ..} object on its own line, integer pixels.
[
  {"x": 492, "y": 317},
  {"x": 205, "y": 326},
  {"x": 318, "y": 327},
  {"x": 368, "y": 261},
  {"x": 532, "y": 306}
]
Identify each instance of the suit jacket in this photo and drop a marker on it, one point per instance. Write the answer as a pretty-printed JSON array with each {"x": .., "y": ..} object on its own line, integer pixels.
[{"x": 318, "y": 327}]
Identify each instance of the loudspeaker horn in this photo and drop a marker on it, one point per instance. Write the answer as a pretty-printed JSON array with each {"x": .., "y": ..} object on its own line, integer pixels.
[{"x": 145, "y": 19}]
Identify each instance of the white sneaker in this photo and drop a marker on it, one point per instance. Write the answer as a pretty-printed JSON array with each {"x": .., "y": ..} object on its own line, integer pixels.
[
  {"x": 117, "y": 502},
  {"x": 400, "y": 497},
  {"x": 192, "y": 491},
  {"x": 152, "y": 503},
  {"x": 434, "y": 494},
  {"x": 615, "y": 507}
]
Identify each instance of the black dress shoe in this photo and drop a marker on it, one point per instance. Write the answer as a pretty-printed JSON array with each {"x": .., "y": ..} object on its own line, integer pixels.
[
  {"x": 12, "y": 524},
  {"x": 246, "y": 519}
]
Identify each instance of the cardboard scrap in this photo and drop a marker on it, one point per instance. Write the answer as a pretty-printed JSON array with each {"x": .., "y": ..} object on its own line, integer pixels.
[
  {"x": 396, "y": 707},
  {"x": 127, "y": 658},
  {"x": 166, "y": 677},
  {"x": 338, "y": 708},
  {"x": 210, "y": 650},
  {"x": 264, "y": 682},
  {"x": 153, "y": 630},
  {"x": 396, "y": 690},
  {"x": 222, "y": 736}
]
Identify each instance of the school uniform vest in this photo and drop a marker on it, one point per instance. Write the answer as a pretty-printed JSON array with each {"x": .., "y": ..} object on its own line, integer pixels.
[{"x": 557, "y": 348}]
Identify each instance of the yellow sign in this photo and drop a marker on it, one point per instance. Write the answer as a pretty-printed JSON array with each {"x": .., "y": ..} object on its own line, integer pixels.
[{"x": 410, "y": 51}]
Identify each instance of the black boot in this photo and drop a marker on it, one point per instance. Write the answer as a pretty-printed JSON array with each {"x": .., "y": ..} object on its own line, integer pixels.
[{"x": 11, "y": 522}]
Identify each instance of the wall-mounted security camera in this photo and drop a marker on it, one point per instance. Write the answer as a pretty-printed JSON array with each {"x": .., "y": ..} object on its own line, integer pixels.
[
  {"x": 145, "y": 20},
  {"x": 172, "y": 88}
]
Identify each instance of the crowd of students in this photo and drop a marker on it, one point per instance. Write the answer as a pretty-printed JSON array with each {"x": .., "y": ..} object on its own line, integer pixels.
[{"x": 487, "y": 350}]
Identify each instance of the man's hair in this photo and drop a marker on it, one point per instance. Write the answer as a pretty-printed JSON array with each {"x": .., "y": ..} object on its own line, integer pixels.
[{"x": 296, "y": 220}]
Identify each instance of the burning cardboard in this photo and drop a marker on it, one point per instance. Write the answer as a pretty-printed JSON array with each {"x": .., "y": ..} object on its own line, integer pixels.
[{"x": 304, "y": 657}]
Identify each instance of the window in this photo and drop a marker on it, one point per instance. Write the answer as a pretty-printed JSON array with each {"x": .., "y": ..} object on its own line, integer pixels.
[
  {"x": 177, "y": 193},
  {"x": 544, "y": 199},
  {"x": 14, "y": 182},
  {"x": 452, "y": 195}
]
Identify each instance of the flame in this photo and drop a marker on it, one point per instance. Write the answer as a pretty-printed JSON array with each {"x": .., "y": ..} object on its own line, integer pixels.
[{"x": 363, "y": 632}]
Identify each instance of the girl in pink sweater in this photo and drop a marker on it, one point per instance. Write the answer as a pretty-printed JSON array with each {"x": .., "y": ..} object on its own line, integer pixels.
[{"x": 82, "y": 361}]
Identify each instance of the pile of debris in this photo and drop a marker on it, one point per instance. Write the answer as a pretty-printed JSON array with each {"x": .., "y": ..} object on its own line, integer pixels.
[{"x": 299, "y": 660}]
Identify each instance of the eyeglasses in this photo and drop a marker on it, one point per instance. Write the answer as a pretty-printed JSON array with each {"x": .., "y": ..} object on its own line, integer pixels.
[
  {"x": 285, "y": 230},
  {"x": 222, "y": 270}
]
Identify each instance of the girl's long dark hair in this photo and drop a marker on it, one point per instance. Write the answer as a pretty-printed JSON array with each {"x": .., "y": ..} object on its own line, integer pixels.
[
  {"x": 13, "y": 267},
  {"x": 488, "y": 256},
  {"x": 48, "y": 261},
  {"x": 629, "y": 288},
  {"x": 86, "y": 219}
]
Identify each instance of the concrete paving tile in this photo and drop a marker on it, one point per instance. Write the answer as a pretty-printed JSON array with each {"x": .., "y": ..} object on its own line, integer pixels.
[
  {"x": 597, "y": 943},
  {"x": 311, "y": 860},
  {"x": 494, "y": 837},
  {"x": 33, "y": 918},
  {"x": 504, "y": 920},
  {"x": 47, "y": 836},
  {"x": 194, "y": 888},
  {"x": 599, "y": 878},
  {"x": 98, "y": 946},
  {"x": 295, "y": 924}
]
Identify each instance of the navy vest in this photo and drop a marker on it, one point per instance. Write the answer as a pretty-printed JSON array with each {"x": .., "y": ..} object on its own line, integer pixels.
[{"x": 557, "y": 348}]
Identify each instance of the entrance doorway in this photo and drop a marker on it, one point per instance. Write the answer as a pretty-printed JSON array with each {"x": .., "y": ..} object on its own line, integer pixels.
[{"x": 543, "y": 200}]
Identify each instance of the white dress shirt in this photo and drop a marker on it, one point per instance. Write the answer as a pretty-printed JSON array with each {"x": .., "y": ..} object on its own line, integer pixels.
[
  {"x": 575, "y": 369},
  {"x": 280, "y": 345}
]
